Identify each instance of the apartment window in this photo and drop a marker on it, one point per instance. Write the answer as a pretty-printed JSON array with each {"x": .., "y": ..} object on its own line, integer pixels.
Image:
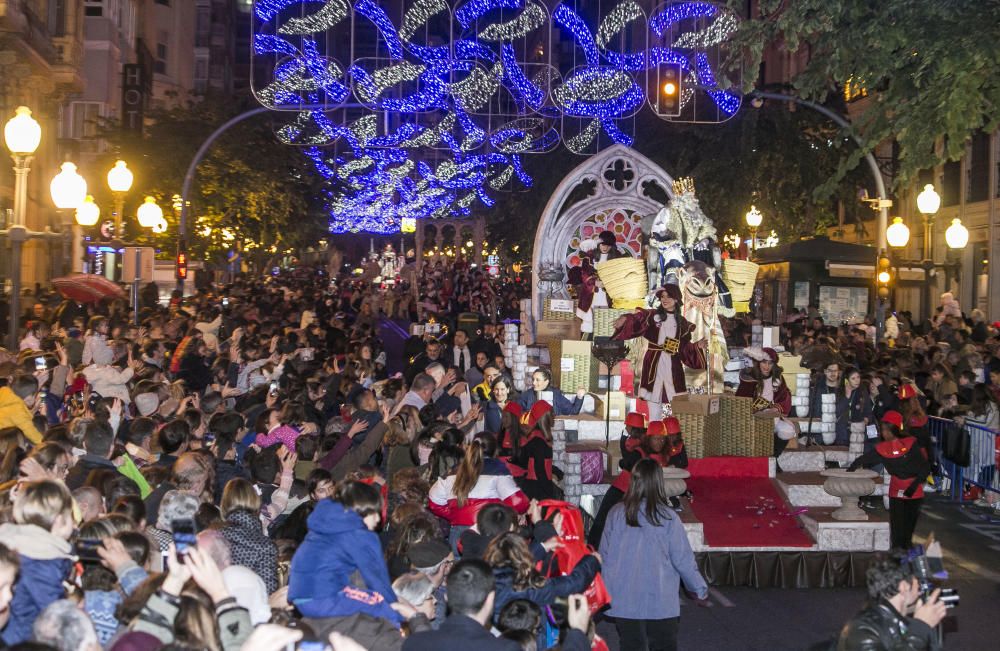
[
  {"x": 160, "y": 65},
  {"x": 93, "y": 8},
  {"x": 85, "y": 120},
  {"x": 951, "y": 183},
  {"x": 978, "y": 184}
]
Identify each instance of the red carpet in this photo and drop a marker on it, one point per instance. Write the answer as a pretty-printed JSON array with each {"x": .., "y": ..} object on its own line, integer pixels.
[{"x": 740, "y": 507}]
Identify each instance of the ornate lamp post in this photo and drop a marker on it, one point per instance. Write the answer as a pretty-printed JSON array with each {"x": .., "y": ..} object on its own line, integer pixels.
[
  {"x": 22, "y": 134},
  {"x": 68, "y": 190},
  {"x": 120, "y": 181},
  {"x": 754, "y": 218}
]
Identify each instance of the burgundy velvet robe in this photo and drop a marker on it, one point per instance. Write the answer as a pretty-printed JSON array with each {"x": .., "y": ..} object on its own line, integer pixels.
[
  {"x": 642, "y": 324},
  {"x": 751, "y": 388}
]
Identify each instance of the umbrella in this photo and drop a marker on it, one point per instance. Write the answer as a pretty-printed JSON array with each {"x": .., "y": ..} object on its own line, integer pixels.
[{"x": 87, "y": 288}]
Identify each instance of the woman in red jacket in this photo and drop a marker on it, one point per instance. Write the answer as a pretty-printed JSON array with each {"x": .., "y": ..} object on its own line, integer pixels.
[
  {"x": 478, "y": 480},
  {"x": 906, "y": 462}
]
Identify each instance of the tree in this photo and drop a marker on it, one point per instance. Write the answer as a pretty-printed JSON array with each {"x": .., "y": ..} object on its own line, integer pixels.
[
  {"x": 929, "y": 68},
  {"x": 250, "y": 190}
]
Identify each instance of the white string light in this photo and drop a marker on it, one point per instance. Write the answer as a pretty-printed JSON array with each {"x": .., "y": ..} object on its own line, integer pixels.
[
  {"x": 329, "y": 15},
  {"x": 418, "y": 14},
  {"x": 616, "y": 20},
  {"x": 533, "y": 17}
]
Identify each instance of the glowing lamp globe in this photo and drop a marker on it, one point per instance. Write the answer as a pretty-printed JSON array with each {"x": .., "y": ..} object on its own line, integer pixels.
[
  {"x": 754, "y": 217},
  {"x": 68, "y": 188},
  {"x": 160, "y": 226},
  {"x": 884, "y": 277},
  {"x": 88, "y": 212},
  {"x": 957, "y": 235},
  {"x": 897, "y": 234},
  {"x": 928, "y": 201},
  {"x": 22, "y": 133},
  {"x": 120, "y": 177},
  {"x": 149, "y": 214}
]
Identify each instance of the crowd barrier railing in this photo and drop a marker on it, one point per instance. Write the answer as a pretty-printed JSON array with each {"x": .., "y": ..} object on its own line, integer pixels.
[{"x": 967, "y": 455}]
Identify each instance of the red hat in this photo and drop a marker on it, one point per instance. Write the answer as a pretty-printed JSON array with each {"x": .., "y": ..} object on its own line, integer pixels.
[
  {"x": 907, "y": 391},
  {"x": 893, "y": 418},
  {"x": 656, "y": 428},
  {"x": 513, "y": 408},
  {"x": 772, "y": 354},
  {"x": 538, "y": 410},
  {"x": 635, "y": 420},
  {"x": 672, "y": 424}
]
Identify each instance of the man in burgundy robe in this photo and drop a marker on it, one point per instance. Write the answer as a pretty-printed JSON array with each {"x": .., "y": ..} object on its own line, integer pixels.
[{"x": 670, "y": 348}]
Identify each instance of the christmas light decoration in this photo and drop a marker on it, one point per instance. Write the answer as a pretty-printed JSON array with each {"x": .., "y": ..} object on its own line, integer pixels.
[
  {"x": 331, "y": 14},
  {"x": 418, "y": 14},
  {"x": 465, "y": 109},
  {"x": 533, "y": 17}
]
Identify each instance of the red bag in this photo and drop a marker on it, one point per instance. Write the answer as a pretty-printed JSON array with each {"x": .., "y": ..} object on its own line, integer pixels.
[
  {"x": 628, "y": 378},
  {"x": 574, "y": 548}
]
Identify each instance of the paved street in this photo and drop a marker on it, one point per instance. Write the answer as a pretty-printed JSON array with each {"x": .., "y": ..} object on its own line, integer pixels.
[{"x": 780, "y": 620}]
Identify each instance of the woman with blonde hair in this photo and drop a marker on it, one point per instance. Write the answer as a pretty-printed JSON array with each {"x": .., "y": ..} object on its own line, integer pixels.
[{"x": 244, "y": 531}]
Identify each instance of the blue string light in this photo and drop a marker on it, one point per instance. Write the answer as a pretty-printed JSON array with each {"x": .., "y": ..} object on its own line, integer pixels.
[{"x": 449, "y": 159}]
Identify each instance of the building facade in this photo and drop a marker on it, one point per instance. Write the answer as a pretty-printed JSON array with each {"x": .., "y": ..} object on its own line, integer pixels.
[{"x": 41, "y": 58}]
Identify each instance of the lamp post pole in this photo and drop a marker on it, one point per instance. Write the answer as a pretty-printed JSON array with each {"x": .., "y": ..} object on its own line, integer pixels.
[
  {"x": 119, "y": 207},
  {"x": 17, "y": 234}
]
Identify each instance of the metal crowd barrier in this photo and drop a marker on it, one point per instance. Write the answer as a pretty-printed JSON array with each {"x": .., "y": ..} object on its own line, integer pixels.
[{"x": 966, "y": 455}]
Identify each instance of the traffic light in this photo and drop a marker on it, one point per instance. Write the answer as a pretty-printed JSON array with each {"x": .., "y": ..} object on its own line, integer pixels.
[
  {"x": 182, "y": 265},
  {"x": 668, "y": 90},
  {"x": 883, "y": 276}
]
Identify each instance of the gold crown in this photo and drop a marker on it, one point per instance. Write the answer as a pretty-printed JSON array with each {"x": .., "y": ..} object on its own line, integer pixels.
[{"x": 684, "y": 185}]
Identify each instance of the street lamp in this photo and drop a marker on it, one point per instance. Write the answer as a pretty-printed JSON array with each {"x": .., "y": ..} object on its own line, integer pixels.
[
  {"x": 88, "y": 212},
  {"x": 957, "y": 235},
  {"x": 120, "y": 181},
  {"x": 928, "y": 203},
  {"x": 22, "y": 135},
  {"x": 897, "y": 234},
  {"x": 754, "y": 218},
  {"x": 68, "y": 188},
  {"x": 149, "y": 213}
]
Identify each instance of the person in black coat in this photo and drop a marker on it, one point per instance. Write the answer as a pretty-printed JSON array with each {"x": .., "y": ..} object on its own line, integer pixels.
[
  {"x": 471, "y": 594},
  {"x": 886, "y": 623},
  {"x": 98, "y": 441}
]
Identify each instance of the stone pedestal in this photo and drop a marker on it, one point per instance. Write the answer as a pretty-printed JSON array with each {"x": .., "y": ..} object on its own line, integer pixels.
[
  {"x": 857, "y": 445},
  {"x": 849, "y": 486},
  {"x": 673, "y": 481}
]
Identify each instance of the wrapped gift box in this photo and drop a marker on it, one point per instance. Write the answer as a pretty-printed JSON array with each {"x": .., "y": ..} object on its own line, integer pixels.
[
  {"x": 573, "y": 367},
  {"x": 690, "y": 403},
  {"x": 702, "y": 434},
  {"x": 547, "y": 332},
  {"x": 616, "y": 404},
  {"x": 743, "y": 434},
  {"x": 559, "y": 309},
  {"x": 604, "y": 320},
  {"x": 591, "y": 457}
]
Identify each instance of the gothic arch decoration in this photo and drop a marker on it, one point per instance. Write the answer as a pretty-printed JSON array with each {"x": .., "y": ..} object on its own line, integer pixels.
[{"x": 615, "y": 189}]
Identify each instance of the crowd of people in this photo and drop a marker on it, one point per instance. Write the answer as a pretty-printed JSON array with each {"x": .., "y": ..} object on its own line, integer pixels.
[
  {"x": 253, "y": 466},
  {"x": 250, "y": 467}
]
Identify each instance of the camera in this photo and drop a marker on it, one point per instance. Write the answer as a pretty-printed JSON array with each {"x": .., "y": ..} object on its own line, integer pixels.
[
  {"x": 185, "y": 536},
  {"x": 922, "y": 568}
]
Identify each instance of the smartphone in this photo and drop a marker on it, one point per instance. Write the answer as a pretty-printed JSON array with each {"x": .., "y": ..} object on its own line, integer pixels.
[
  {"x": 86, "y": 550},
  {"x": 40, "y": 364},
  {"x": 225, "y": 302},
  {"x": 307, "y": 354},
  {"x": 208, "y": 439},
  {"x": 274, "y": 388},
  {"x": 185, "y": 534}
]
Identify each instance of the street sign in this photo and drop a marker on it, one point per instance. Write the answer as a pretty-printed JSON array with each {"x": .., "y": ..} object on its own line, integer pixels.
[{"x": 146, "y": 255}]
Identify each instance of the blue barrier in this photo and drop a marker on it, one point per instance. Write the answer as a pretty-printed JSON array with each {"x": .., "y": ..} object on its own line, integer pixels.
[{"x": 979, "y": 469}]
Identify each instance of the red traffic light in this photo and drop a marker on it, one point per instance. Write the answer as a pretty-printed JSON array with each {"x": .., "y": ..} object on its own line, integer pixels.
[{"x": 182, "y": 267}]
